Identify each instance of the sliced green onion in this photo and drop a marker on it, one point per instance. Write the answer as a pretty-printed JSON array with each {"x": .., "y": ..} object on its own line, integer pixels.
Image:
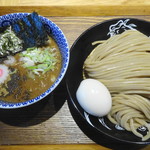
[{"x": 44, "y": 59}]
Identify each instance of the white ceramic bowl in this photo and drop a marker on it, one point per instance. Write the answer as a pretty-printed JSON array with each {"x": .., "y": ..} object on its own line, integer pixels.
[{"x": 61, "y": 41}]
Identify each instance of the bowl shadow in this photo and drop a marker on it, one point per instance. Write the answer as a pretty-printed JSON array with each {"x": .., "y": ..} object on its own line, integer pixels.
[
  {"x": 100, "y": 138},
  {"x": 37, "y": 112}
]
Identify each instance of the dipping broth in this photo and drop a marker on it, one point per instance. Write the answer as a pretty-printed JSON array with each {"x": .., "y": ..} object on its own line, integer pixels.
[{"x": 23, "y": 81}]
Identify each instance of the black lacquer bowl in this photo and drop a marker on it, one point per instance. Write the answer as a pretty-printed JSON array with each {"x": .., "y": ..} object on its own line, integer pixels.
[{"x": 79, "y": 51}]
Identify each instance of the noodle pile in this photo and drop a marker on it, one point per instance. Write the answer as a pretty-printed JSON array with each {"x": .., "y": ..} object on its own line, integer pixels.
[{"x": 122, "y": 63}]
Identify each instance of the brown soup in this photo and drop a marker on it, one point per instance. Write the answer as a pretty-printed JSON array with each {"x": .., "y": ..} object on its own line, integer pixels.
[{"x": 20, "y": 86}]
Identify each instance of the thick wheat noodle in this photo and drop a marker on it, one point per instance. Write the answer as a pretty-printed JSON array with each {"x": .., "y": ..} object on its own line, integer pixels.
[
  {"x": 123, "y": 49},
  {"x": 118, "y": 69},
  {"x": 128, "y": 85},
  {"x": 133, "y": 129},
  {"x": 129, "y": 107},
  {"x": 122, "y": 45},
  {"x": 120, "y": 74},
  {"x": 114, "y": 59},
  {"x": 138, "y": 103},
  {"x": 119, "y": 66},
  {"x": 122, "y": 64},
  {"x": 136, "y": 106}
]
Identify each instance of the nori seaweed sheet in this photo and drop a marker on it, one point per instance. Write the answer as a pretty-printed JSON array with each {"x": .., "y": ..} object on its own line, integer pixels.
[
  {"x": 31, "y": 31},
  {"x": 14, "y": 87}
]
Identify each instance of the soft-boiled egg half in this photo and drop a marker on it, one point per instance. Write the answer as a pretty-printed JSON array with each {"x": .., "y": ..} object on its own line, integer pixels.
[{"x": 94, "y": 97}]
